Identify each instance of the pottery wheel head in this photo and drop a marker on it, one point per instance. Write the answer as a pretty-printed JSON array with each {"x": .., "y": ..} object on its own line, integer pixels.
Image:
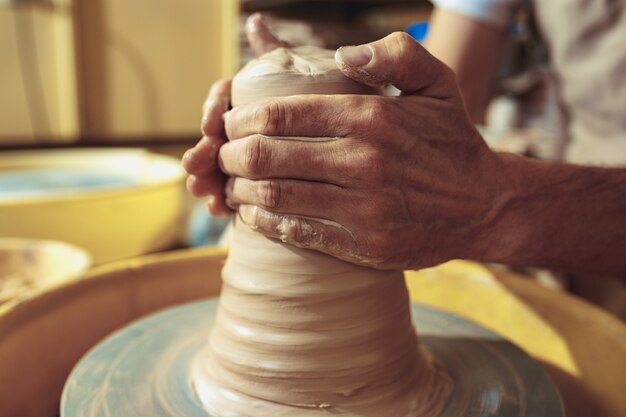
[
  {"x": 291, "y": 71},
  {"x": 143, "y": 369}
]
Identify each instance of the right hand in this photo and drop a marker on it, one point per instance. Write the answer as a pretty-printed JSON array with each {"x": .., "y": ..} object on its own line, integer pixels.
[
  {"x": 400, "y": 182},
  {"x": 200, "y": 162}
]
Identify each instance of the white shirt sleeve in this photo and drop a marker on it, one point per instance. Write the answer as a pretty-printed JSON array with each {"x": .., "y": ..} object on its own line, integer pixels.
[{"x": 497, "y": 12}]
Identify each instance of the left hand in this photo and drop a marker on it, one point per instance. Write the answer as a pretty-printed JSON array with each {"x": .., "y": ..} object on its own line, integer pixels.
[
  {"x": 200, "y": 162},
  {"x": 403, "y": 182}
]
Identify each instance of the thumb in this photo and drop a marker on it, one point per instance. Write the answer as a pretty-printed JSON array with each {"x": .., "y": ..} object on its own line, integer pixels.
[
  {"x": 260, "y": 37},
  {"x": 399, "y": 60}
]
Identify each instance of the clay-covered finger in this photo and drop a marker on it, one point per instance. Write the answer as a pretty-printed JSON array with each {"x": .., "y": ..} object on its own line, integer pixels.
[
  {"x": 321, "y": 235},
  {"x": 203, "y": 185},
  {"x": 216, "y": 104},
  {"x": 259, "y": 157},
  {"x": 260, "y": 36},
  {"x": 305, "y": 115}
]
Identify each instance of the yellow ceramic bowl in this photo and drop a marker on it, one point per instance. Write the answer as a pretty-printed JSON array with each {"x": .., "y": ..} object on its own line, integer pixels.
[
  {"x": 116, "y": 203},
  {"x": 26, "y": 264}
]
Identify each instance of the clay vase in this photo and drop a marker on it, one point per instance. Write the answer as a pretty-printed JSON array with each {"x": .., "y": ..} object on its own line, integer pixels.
[{"x": 302, "y": 333}]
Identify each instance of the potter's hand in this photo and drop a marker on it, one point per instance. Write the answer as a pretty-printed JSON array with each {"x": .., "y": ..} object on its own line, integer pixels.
[
  {"x": 402, "y": 182},
  {"x": 205, "y": 179}
]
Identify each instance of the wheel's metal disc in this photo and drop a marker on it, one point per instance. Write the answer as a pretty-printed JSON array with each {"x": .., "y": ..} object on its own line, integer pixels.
[{"x": 142, "y": 370}]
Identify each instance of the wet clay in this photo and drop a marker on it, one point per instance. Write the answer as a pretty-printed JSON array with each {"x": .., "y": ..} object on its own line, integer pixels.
[
  {"x": 300, "y": 333},
  {"x": 286, "y": 72}
]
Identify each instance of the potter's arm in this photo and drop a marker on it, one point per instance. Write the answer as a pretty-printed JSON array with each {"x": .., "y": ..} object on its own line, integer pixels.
[
  {"x": 567, "y": 217},
  {"x": 408, "y": 182},
  {"x": 472, "y": 49},
  {"x": 564, "y": 216},
  {"x": 405, "y": 182}
]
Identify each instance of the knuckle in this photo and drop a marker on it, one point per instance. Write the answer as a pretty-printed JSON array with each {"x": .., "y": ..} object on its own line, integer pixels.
[
  {"x": 377, "y": 116},
  {"x": 345, "y": 165},
  {"x": 372, "y": 165},
  {"x": 257, "y": 158},
  {"x": 272, "y": 118},
  {"x": 375, "y": 112},
  {"x": 269, "y": 193},
  {"x": 401, "y": 39}
]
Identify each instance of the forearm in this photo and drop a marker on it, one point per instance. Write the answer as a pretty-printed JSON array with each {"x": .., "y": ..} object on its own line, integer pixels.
[
  {"x": 567, "y": 217},
  {"x": 473, "y": 50}
]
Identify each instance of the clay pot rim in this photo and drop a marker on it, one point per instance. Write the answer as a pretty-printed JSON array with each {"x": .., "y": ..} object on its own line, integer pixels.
[{"x": 35, "y": 159}]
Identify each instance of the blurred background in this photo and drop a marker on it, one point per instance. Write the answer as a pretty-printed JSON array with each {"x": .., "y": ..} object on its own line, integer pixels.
[
  {"x": 100, "y": 98},
  {"x": 104, "y": 72}
]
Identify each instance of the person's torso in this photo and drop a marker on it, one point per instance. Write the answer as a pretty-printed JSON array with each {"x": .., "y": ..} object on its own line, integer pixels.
[{"x": 587, "y": 45}]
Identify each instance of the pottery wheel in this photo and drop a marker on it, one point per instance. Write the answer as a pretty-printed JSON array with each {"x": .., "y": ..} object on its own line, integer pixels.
[{"x": 143, "y": 369}]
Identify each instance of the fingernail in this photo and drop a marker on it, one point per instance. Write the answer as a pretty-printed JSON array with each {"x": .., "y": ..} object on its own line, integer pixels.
[
  {"x": 253, "y": 21},
  {"x": 248, "y": 214},
  {"x": 187, "y": 157},
  {"x": 230, "y": 186},
  {"x": 189, "y": 182},
  {"x": 356, "y": 56}
]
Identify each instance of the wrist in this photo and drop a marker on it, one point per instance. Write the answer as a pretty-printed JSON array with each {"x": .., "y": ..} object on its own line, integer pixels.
[
  {"x": 556, "y": 215},
  {"x": 512, "y": 225}
]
